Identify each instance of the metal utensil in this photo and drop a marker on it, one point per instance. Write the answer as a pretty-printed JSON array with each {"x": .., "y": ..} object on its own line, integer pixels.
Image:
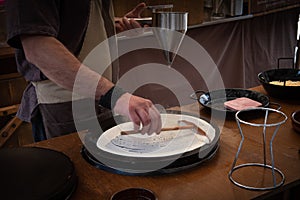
[
  {"x": 167, "y": 24},
  {"x": 297, "y": 48},
  {"x": 143, "y": 20}
]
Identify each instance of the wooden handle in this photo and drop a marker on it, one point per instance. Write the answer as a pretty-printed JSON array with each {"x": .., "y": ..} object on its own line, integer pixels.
[
  {"x": 199, "y": 130},
  {"x": 163, "y": 129}
]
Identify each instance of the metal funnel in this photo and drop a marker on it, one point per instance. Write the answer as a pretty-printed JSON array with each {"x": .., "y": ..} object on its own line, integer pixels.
[{"x": 165, "y": 24}]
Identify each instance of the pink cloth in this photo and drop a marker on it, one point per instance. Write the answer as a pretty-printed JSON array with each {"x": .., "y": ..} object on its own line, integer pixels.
[{"x": 241, "y": 103}]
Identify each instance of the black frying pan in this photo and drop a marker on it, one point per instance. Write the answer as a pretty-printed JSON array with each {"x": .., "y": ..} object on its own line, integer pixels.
[
  {"x": 214, "y": 100},
  {"x": 283, "y": 75},
  {"x": 282, "y": 92}
]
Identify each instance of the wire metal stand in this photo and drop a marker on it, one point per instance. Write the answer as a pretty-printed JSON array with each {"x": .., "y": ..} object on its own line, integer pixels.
[{"x": 235, "y": 168}]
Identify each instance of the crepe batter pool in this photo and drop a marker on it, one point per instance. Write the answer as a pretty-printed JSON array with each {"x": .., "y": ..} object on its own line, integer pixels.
[{"x": 148, "y": 144}]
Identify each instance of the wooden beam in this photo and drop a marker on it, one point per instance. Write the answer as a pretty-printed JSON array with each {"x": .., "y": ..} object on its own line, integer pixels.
[
  {"x": 4, "y": 111},
  {"x": 10, "y": 76},
  {"x": 9, "y": 129}
]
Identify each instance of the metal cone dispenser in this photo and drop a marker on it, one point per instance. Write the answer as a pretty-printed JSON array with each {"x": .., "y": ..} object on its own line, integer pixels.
[{"x": 165, "y": 24}]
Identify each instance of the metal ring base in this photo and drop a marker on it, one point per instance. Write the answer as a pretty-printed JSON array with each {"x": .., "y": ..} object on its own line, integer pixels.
[{"x": 256, "y": 188}]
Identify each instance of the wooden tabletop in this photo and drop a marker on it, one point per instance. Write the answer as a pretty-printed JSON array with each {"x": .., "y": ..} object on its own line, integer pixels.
[{"x": 207, "y": 181}]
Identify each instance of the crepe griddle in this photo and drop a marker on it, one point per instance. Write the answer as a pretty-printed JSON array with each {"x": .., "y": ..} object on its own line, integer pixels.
[
  {"x": 178, "y": 165},
  {"x": 144, "y": 165},
  {"x": 36, "y": 174}
]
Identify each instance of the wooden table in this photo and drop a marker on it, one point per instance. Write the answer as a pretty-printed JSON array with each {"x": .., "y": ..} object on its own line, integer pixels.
[{"x": 207, "y": 181}]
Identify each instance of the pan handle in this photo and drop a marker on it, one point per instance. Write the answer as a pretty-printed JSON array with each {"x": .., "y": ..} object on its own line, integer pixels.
[
  {"x": 275, "y": 104},
  {"x": 194, "y": 94}
]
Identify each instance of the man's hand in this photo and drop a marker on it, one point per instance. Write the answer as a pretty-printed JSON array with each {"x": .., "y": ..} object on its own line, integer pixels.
[
  {"x": 140, "y": 111},
  {"x": 125, "y": 23}
]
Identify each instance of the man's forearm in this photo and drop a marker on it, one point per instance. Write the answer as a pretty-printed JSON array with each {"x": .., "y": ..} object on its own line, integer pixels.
[{"x": 61, "y": 66}]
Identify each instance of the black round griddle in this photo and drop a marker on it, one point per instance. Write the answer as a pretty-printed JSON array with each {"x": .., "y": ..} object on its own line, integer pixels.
[
  {"x": 144, "y": 165},
  {"x": 178, "y": 165},
  {"x": 36, "y": 174}
]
